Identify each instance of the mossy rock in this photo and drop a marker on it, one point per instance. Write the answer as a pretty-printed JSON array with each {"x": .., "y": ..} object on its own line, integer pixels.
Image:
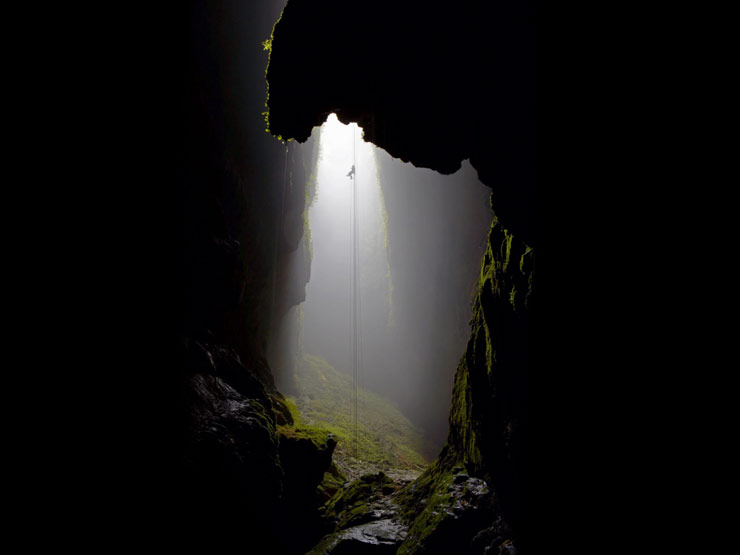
[
  {"x": 444, "y": 508},
  {"x": 333, "y": 481},
  {"x": 284, "y": 416},
  {"x": 305, "y": 455},
  {"x": 352, "y": 504},
  {"x": 322, "y": 439}
]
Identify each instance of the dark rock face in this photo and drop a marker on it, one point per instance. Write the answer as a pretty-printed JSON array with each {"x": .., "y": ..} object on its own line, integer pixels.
[
  {"x": 230, "y": 470},
  {"x": 430, "y": 84},
  {"x": 380, "y": 536},
  {"x": 243, "y": 479},
  {"x": 305, "y": 461},
  {"x": 305, "y": 458},
  {"x": 488, "y": 416}
]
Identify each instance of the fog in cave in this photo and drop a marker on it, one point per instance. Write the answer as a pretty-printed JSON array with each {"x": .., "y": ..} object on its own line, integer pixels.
[{"x": 421, "y": 236}]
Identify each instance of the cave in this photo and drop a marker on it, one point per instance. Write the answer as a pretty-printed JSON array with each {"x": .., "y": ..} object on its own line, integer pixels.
[{"x": 448, "y": 90}]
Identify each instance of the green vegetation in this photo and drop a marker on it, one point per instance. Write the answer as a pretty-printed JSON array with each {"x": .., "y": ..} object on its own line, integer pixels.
[
  {"x": 267, "y": 46},
  {"x": 293, "y": 409},
  {"x": 281, "y": 410},
  {"x": 319, "y": 437},
  {"x": 333, "y": 481},
  {"x": 386, "y": 439}
]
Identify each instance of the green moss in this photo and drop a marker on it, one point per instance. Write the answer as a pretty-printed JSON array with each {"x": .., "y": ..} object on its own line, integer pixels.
[
  {"x": 385, "y": 436},
  {"x": 332, "y": 482},
  {"x": 507, "y": 250},
  {"x": 267, "y": 46},
  {"x": 280, "y": 409},
  {"x": 293, "y": 409},
  {"x": 527, "y": 252},
  {"x": 490, "y": 352},
  {"x": 462, "y": 440},
  {"x": 425, "y": 502},
  {"x": 351, "y": 504},
  {"x": 318, "y": 436},
  {"x": 512, "y": 296}
]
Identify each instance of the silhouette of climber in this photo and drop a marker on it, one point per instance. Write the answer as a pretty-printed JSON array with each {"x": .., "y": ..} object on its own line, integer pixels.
[{"x": 351, "y": 172}]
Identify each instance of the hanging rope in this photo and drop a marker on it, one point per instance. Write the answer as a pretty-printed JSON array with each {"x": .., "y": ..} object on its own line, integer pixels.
[{"x": 355, "y": 301}]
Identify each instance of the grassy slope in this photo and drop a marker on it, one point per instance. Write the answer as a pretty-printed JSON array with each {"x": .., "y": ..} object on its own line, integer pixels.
[{"x": 387, "y": 440}]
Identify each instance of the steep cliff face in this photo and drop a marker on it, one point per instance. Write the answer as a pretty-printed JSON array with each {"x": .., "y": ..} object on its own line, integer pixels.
[{"x": 434, "y": 87}]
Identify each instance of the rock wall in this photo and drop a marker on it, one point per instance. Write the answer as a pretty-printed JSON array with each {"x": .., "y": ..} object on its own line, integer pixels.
[
  {"x": 488, "y": 417},
  {"x": 430, "y": 84}
]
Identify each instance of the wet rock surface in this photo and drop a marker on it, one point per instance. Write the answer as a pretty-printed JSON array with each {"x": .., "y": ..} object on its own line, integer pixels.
[
  {"x": 243, "y": 478},
  {"x": 381, "y": 536},
  {"x": 450, "y": 511},
  {"x": 229, "y": 469},
  {"x": 369, "y": 516},
  {"x": 366, "y": 518}
]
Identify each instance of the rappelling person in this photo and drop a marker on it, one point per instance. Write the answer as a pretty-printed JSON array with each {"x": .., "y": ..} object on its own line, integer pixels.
[{"x": 351, "y": 172}]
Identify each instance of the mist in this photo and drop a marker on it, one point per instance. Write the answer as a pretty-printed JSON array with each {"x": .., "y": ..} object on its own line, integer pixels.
[{"x": 421, "y": 236}]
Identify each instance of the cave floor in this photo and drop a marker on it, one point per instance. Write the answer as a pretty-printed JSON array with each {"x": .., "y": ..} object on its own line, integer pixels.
[{"x": 354, "y": 469}]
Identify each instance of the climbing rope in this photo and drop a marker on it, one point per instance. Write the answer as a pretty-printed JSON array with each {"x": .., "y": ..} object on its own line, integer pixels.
[{"x": 355, "y": 301}]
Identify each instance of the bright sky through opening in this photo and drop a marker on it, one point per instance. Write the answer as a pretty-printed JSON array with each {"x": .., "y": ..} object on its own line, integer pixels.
[{"x": 328, "y": 293}]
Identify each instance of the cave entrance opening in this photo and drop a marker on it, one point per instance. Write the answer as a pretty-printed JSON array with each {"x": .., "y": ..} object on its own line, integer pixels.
[{"x": 395, "y": 251}]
